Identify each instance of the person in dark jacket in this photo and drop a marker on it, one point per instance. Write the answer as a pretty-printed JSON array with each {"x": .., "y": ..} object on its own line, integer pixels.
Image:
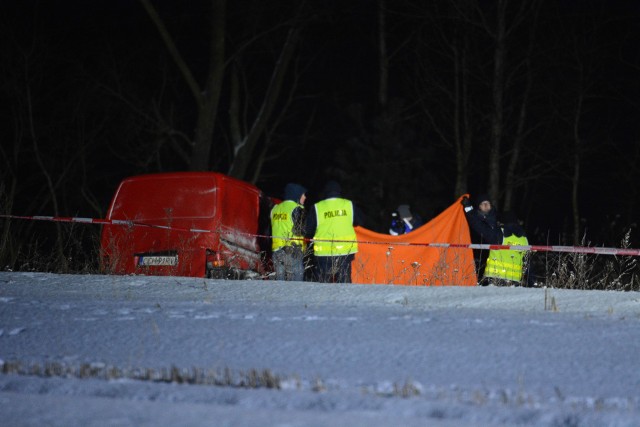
[
  {"x": 504, "y": 267},
  {"x": 486, "y": 213},
  {"x": 287, "y": 229},
  {"x": 331, "y": 225}
]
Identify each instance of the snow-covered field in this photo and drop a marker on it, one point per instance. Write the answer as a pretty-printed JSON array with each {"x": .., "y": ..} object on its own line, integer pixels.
[{"x": 92, "y": 350}]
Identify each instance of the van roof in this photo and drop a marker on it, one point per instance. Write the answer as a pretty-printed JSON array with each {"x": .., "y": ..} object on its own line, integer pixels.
[{"x": 171, "y": 195}]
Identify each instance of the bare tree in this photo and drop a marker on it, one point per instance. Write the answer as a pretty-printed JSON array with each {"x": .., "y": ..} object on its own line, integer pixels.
[
  {"x": 497, "y": 94},
  {"x": 383, "y": 57},
  {"x": 586, "y": 53},
  {"x": 501, "y": 32},
  {"x": 445, "y": 98},
  {"x": 50, "y": 142},
  {"x": 243, "y": 144},
  {"x": 207, "y": 97},
  {"x": 522, "y": 129}
]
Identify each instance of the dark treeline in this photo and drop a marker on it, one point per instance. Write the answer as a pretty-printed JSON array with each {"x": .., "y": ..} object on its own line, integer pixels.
[{"x": 406, "y": 101}]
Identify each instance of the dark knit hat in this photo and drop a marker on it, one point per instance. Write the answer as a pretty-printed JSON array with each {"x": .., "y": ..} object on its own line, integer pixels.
[
  {"x": 332, "y": 189},
  {"x": 293, "y": 191},
  {"x": 508, "y": 217},
  {"x": 483, "y": 197}
]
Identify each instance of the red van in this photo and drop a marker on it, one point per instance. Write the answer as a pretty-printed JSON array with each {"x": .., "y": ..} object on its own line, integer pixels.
[{"x": 198, "y": 224}]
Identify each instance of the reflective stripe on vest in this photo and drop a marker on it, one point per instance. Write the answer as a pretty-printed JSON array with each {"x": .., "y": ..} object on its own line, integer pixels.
[
  {"x": 506, "y": 264},
  {"x": 335, "y": 233},
  {"x": 282, "y": 225}
]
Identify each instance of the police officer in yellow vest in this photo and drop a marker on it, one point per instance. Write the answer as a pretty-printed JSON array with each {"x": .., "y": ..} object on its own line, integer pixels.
[
  {"x": 504, "y": 266},
  {"x": 287, "y": 229},
  {"x": 331, "y": 224}
]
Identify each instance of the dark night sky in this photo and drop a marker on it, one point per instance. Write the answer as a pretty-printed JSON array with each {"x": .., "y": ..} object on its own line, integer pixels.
[{"x": 113, "y": 44}]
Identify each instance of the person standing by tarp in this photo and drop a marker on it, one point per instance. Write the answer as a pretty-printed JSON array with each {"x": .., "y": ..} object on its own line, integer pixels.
[
  {"x": 331, "y": 224},
  {"x": 504, "y": 266},
  {"x": 403, "y": 221},
  {"x": 287, "y": 230},
  {"x": 485, "y": 213}
]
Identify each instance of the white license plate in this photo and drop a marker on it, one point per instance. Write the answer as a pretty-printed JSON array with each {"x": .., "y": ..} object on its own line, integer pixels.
[{"x": 158, "y": 260}]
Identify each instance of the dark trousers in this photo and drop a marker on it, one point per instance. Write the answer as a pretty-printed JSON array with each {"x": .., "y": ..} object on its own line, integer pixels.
[
  {"x": 288, "y": 263},
  {"x": 333, "y": 269}
]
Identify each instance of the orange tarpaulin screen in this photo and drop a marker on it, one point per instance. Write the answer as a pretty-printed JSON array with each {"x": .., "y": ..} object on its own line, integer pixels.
[{"x": 406, "y": 260}]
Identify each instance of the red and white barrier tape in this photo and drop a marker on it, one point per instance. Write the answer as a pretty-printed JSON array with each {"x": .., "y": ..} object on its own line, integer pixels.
[
  {"x": 529, "y": 248},
  {"x": 124, "y": 222}
]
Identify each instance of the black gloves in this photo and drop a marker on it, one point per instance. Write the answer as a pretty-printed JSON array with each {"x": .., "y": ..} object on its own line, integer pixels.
[{"x": 466, "y": 203}]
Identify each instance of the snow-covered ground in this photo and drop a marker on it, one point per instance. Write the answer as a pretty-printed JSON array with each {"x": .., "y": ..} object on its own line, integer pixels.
[{"x": 92, "y": 350}]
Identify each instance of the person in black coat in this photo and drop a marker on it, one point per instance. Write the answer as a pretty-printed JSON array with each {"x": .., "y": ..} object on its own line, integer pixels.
[
  {"x": 494, "y": 232},
  {"x": 482, "y": 216}
]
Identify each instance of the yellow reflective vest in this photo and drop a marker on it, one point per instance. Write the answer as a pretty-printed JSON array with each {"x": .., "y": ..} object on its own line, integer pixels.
[
  {"x": 282, "y": 226},
  {"x": 335, "y": 235},
  {"x": 506, "y": 264}
]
